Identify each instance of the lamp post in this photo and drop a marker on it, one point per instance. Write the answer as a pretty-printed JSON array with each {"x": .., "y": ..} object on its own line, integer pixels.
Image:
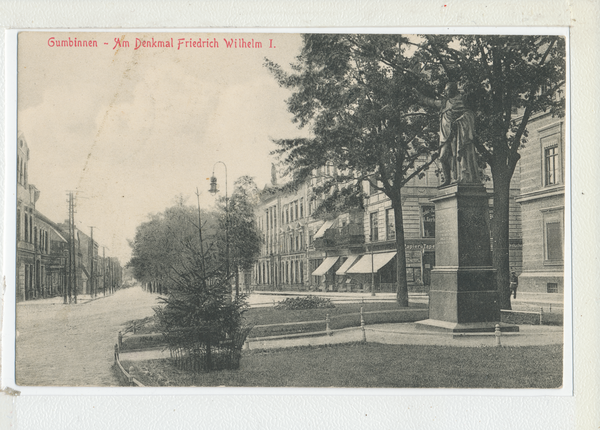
[
  {"x": 214, "y": 190},
  {"x": 372, "y": 268}
]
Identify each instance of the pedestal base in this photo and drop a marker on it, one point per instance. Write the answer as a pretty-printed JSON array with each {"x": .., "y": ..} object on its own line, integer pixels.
[
  {"x": 474, "y": 327},
  {"x": 463, "y": 296},
  {"x": 464, "y": 306}
]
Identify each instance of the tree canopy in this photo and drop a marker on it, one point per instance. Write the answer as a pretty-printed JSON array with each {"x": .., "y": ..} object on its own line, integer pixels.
[
  {"x": 355, "y": 93},
  {"x": 363, "y": 119},
  {"x": 508, "y": 81}
]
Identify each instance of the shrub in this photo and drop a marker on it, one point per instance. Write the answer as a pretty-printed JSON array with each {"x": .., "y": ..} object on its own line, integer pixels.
[{"x": 305, "y": 302}]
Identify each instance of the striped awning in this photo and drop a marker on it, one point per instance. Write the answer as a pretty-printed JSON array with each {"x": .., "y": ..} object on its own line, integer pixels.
[
  {"x": 369, "y": 264},
  {"x": 325, "y": 266},
  {"x": 326, "y": 226},
  {"x": 347, "y": 264}
]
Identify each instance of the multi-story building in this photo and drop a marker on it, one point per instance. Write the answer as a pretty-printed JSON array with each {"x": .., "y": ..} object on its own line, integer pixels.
[
  {"x": 42, "y": 246},
  {"x": 89, "y": 266},
  {"x": 355, "y": 249},
  {"x": 419, "y": 234},
  {"x": 300, "y": 251},
  {"x": 40, "y": 243},
  {"x": 378, "y": 263},
  {"x": 542, "y": 202},
  {"x": 282, "y": 217}
]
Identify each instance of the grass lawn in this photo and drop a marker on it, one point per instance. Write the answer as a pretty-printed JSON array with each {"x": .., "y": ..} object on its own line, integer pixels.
[
  {"x": 375, "y": 365},
  {"x": 343, "y": 315}
]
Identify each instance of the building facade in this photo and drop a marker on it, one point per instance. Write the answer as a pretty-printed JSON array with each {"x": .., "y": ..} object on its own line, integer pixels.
[
  {"x": 419, "y": 232},
  {"x": 542, "y": 201},
  {"x": 42, "y": 248},
  {"x": 40, "y": 242},
  {"x": 355, "y": 250},
  {"x": 283, "y": 220}
]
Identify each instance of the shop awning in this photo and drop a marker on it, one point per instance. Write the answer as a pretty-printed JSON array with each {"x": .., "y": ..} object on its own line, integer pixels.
[
  {"x": 349, "y": 262},
  {"x": 326, "y": 226},
  {"x": 364, "y": 265},
  {"x": 325, "y": 266}
]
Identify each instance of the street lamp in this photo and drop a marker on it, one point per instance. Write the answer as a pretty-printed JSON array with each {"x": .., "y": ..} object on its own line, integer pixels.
[
  {"x": 214, "y": 190},
  {"x": 372, "y": 268}
]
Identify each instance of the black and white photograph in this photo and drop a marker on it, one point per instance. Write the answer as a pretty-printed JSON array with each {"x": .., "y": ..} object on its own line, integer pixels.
[{"x": 299, "y": 210}]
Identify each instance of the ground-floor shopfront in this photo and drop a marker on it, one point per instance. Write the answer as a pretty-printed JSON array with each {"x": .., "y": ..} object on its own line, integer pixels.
[
  {"x": 350, "y": 269},
  {"x": 38, "y": 276}
]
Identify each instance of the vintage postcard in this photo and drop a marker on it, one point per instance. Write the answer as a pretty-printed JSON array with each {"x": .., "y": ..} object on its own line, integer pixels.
[{"x": 292, "y": 210}]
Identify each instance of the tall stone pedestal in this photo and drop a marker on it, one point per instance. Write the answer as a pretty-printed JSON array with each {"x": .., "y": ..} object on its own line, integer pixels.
[{"x": 463, "y": 295}]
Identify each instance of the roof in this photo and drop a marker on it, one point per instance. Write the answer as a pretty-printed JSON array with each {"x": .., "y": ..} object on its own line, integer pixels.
[{"x": 51, "y": 224}]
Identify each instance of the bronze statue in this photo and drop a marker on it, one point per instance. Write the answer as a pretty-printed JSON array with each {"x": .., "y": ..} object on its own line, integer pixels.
[{"x": 457, "y": 131}]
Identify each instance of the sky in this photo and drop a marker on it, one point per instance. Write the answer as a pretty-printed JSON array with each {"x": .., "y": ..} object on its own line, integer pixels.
[{"x": 130, "y": 129}]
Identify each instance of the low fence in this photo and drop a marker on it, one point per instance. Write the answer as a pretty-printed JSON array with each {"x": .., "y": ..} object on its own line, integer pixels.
[
  {"x": 204, "y": 355},
  {"x": 336, "y": 322},
  {"x": 327, "y": 330},
  {"x": 539, "y": 317},
  {"x": 140, "y": 342},
  {"x": 129, "y": 376}
]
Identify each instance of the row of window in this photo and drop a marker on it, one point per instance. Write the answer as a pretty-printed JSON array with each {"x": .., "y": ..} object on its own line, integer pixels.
[
  {"x": 289, "y": 242},
  {"x": 21, "y": 171},
  {"x": 289, "y": 212},
  {"x": 32, "y": 234},
  {"x": 289, "y": 272},
  {"x": 322, "y": 172},
  {"x": 292, "y": 211},
  {"x": 294, "y": 241},
  {"x": 427, "y": 224}
]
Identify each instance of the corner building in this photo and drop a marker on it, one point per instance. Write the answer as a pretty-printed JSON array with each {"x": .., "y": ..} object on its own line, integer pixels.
[{"x": 542, "y": 203}]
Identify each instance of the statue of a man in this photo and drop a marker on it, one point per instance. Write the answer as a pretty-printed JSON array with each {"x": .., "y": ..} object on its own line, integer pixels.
[{"x": 457, "y": 131}]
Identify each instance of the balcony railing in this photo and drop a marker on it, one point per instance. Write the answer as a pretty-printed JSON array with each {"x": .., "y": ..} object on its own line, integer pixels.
[{"x": 351, "y": 234}]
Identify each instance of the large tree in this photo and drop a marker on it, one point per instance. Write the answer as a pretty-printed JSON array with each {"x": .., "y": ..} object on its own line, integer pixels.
[
  {"x": 500, "y": 75},
  {"x": 354, "y": 93}
]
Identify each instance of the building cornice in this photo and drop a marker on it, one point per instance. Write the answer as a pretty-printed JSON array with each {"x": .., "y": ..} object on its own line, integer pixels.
[{"x": 541, "y": 194}]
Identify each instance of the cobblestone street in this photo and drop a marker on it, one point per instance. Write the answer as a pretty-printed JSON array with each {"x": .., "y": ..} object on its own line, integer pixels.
[{"x": 72, "y": 345}]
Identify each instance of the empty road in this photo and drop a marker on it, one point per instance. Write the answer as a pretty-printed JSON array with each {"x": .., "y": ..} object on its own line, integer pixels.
[{"x": 72, "y": 345}]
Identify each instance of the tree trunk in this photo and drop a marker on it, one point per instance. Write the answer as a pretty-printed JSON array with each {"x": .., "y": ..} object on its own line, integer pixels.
[
  {"x": 237, "y": 281},
  {"x": 500, "y": 234},
  {"x": 402, "y": 285}
]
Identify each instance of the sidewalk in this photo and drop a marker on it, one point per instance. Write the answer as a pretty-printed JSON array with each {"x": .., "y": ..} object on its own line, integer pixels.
[
  {"x": 59, "y": 300},
  {"x": 409, "y": 334},
  {"x": 270, "y": 298},
  {"x": 524, "y": 301}
]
